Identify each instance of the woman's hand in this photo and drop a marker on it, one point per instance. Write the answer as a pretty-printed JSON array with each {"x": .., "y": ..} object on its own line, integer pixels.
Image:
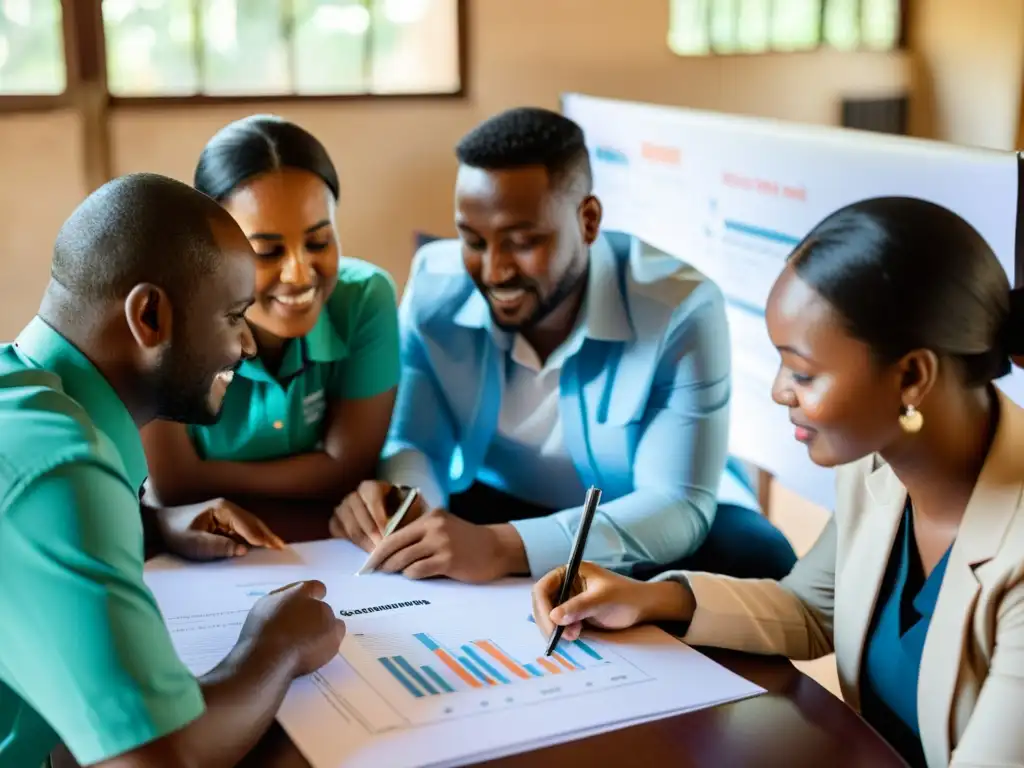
[{"x": 606, "y": 600}]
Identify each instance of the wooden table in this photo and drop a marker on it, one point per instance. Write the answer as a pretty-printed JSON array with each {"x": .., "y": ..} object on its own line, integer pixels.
[{"x": 797, "y": 723}]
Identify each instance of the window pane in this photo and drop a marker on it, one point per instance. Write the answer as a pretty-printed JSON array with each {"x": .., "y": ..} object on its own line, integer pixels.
[
  {"x": 415, "y": 46},
  {"x": 841, "y": 27},
  {"x": 796, "y": 25},
  {"x": 881, "y": 23},
  {"x": 754, "y": 25},
  {"x": 724, "y": 14},
  {"x": 150, "y": 47},
  {"x": 688, "y": 27},
  {"x": 329, "y": 46},
  {"x": 244, "y": 47},
  {"x": 31, "y": 47}
]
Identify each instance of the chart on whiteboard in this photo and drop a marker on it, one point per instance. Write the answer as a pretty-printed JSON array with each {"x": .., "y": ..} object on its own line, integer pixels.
[
  {"x": 428, "y": 675},
  {"x": 733, "y": 196}
]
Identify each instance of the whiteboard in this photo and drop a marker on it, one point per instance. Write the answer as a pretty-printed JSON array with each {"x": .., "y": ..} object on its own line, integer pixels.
[{"x": 732, "y": 195}]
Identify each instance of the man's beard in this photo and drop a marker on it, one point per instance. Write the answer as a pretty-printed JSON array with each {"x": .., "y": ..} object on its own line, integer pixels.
[
  {"x": 544, "y": 307},
  {"x": 182, "y": 390}
]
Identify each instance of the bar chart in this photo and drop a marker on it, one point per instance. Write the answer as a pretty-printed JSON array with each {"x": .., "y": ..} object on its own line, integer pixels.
[
  {"x": 439, "y": 673},
  {"x": 479, "y": 664}
]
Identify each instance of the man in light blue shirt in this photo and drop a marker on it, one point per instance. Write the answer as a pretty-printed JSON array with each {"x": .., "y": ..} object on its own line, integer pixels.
[{"x": 539, "y": 357}]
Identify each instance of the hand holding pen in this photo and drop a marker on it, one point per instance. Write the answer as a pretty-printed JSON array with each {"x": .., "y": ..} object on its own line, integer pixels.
[
  {"x": 575, "y": 559},
  {"x": 583, "y": 593}
]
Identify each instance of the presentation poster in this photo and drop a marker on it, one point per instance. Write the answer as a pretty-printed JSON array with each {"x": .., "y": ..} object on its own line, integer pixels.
[{"x": 733, "y": 195}]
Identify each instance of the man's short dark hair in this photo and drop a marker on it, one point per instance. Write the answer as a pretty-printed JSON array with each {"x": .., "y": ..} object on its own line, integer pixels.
[
  {"x": 527, "y": 136},
  {"x": 139, "y": 228}
]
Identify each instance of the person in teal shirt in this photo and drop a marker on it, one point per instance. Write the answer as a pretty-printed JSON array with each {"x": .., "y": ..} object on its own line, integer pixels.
[
  {"x": 307, "y": 417},
  {"x": 143, "y": 318}
]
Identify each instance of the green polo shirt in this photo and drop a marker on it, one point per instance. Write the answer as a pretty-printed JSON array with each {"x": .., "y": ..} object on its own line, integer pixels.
[
  {"x": 351, "y": 353},
  {"x": 85, "y": 657}
]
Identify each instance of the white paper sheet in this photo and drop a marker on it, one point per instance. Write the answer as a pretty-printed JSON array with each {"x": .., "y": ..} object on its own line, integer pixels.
[{"x": 436, "y": 673}]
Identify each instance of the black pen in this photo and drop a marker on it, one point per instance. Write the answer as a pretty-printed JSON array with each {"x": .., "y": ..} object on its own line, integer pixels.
[{"x": 575, "y": 558}]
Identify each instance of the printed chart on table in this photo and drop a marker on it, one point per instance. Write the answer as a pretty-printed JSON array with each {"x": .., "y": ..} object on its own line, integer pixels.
[
  {"x": 460, "y": 681},
  {"x": 438, "y": 673},
  {"x": 445, "y": 673}
]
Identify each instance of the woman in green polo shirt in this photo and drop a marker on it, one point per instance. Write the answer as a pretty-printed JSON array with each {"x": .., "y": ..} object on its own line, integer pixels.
[{"x": 307, "y": 417}]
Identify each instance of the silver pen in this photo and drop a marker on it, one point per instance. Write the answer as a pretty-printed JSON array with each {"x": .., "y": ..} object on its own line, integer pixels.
[{"x": 393, "y": 523}]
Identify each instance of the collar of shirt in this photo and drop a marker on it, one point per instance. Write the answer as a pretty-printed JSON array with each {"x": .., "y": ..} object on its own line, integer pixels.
[
  {"x": 84, "y": 384},
  {"x": 611, "y": 323},
  {"x": 321, "y": 345}
]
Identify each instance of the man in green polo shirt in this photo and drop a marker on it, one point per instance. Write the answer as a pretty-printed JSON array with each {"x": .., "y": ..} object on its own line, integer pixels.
[{"x": 143, "y": 318}]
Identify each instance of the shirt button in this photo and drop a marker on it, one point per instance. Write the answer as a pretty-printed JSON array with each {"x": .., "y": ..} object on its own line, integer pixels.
[{"x": 278, "y": 425}]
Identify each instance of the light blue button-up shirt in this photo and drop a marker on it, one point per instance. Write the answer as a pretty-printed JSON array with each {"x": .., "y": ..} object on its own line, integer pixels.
[{"x": 643, "y": 405}]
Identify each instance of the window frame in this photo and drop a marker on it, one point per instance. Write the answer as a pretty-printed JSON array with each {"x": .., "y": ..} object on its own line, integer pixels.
[
  {"x": 85, "y": 60},
  {"x": 45, "y": 102},
  {"x": 821, "y": 47}
]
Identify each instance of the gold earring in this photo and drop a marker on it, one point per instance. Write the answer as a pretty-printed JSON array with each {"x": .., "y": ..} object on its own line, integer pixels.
[{"x": 911, "y": 420}]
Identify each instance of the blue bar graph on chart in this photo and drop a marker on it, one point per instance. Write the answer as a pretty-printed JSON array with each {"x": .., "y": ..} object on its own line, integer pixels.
[
  {"x": 397, "y": 674},
  {"x": 477, "y": 664},
  {"x": 415, "y": 675},
  {"x": 477, "y": 659},
  {"x": 438, "y": 680},
  {"x": 587, "y": 649},
  {"x": 476, "y": 672},
  {"x": 571, "y": 660}
]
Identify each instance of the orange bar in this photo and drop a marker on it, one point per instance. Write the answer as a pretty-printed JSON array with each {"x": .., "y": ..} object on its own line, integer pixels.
[
  {"x": 506, "y": 662},
  {"x": 552, "y": 668},
  {"x": 455, "y": 667},
  {"x": 562, "y": 661}
]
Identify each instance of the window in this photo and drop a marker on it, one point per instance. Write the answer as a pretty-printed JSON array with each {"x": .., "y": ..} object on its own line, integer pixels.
[
  {"x": 702, "y": 27},
  {"x": 31, "y": 48},
  {"x": 250, "y": 48}
]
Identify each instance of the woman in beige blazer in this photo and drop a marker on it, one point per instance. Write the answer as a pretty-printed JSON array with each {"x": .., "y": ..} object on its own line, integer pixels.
[{"x": 892, "y": 318}]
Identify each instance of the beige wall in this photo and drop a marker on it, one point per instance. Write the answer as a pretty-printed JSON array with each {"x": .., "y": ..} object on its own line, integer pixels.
[
  {"x": 968, "y": 64},
  {"x": 40, "y": 155},
  {"x": 395, "y": 157}
]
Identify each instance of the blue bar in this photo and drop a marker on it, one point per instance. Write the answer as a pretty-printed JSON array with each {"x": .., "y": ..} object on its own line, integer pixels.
[
  {"x": 427, "y": 641},
  {"x": 410, "y": 670},
  {"x": 572, "y": 661},
  {"x": 764, "y": 234},
  {"x": 532, "y": 670},
  {"x": 466, "y": 663},
  {"x": 487, "y": 667},
  {"x": 389, "y": 665},
  {"x": 587, "y": 649},
  {"x": 611, "y": 155},
  {"x": 438, "y": 680}
]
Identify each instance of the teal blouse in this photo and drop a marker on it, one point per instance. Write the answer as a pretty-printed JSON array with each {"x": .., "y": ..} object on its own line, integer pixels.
[
  {"x": 351, "y": 353},
  {"x": 892, "y": 658}
]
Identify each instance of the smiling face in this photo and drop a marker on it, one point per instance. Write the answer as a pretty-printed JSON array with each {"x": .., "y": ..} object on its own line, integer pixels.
[
  {"x": 524, "y": 243},
  {"x": 842, "y": 402},
  {"x": 289, "y": 217},
  {"x": 211, "y": 337}
]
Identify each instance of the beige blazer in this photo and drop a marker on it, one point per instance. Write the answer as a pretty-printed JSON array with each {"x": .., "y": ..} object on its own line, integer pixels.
[{"x": 970, "y": 693}]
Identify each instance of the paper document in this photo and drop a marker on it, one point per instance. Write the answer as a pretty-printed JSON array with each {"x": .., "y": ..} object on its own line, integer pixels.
[{"x": 436, "y": 673}]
